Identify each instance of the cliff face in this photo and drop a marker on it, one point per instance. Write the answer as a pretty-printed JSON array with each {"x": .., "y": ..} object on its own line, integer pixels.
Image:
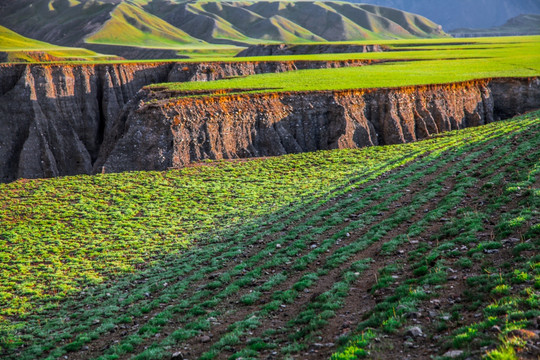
[
  {"x": 53, "y": 118},
  {"x": 287, "y": 49},
  {"x": 75, "y": 119},
  {"x": 175, "y": 133},
  {"x": 514, "y": 96}
]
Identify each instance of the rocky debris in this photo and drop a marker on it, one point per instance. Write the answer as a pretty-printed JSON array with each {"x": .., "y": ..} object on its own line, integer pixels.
[
  {"x": 319, "y": 345},
  {"x": 205, "y": 339},
  {"x": 453, "y": 354},
  {"x": 414, "y": 332},
  {"x": 177, "y": 356}
]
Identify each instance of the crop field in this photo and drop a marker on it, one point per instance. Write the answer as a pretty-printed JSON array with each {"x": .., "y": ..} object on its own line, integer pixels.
[
  {"x": 423, "y": 248},
  {"x": 419, "y": 63}
]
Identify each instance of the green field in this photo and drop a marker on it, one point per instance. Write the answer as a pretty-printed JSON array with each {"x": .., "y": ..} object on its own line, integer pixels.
[
  {"x": 13, "y": 41},
  {"x": 421, "y": 62},
  {"x": 169, "y": 256},
  {"x": 22, "y": 49}
]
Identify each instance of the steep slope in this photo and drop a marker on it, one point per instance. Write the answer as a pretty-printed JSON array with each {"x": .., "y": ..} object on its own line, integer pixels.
[
  {"x": 168, "y": 23},
  {"x": 17, "y": 48},
  {"x": 130, "y": 25},
  {"x": 10, "y": 40},
  {"x": 180, "y": 131},
  {"x": 519, "y": 25},
  {"x": 335, "y": 21},
  {"x": 280, "y": 29},
  {"x": 208, "y": 25},
  {"x": 61, "y": 22},
  {"x": 475, "y": 14},
  {"x": 53, "y": 118}
]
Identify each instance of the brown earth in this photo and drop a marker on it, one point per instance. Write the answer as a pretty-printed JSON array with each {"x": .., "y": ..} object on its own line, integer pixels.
[
  {"x": 53, "y": 118},
  {"x": 289, "y": 49},
  {"x": 159, "y": 131}
]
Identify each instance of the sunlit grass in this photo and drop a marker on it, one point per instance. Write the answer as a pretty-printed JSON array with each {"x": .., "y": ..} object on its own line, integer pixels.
[{"x": 516, "y": 59}]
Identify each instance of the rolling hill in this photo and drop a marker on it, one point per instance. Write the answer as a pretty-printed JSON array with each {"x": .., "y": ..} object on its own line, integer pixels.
[
  {"x": 172, "y": 24},
  {"x": 17, "y": 48},
  {"x": 60, "y": 22},
  {"x": 286, "y": 21},
  {"x": 131, "y": 25},
  {"x": 10, "y": 40}
]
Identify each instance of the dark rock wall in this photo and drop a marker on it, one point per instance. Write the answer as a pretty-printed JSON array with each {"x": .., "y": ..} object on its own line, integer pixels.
[
  {"x": 287, "y": 49},
  {"x": 76, "y": 119},
  {"x": 175, "y": 133},
  {"x": 53, "y": 118}
]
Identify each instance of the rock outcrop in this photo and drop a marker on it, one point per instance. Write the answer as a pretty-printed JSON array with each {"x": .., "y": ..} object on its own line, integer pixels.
[
  {"x": 290, "y": 49},
  {"x": 53, "y": 118},
  {"x": 175, "y": 132},
  {"x": 134, "y": 53},
  {"x": 76, "y": 119}
]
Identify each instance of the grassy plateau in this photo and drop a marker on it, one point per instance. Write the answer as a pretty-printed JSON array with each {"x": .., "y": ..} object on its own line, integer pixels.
[{"x": 421, "y": 62}]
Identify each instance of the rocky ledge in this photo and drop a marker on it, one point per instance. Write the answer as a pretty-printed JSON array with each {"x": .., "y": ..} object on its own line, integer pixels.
[
  {"x": 53, "y": 118},
  {"x": 80, "y": 119},
  {"x": 173, "y": 130},
  {"x": 289, "y": 49}
]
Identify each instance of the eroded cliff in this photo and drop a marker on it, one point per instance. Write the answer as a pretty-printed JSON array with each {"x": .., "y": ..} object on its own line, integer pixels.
[
  {"x": 290, "y": 49},
  {"x": 77, "y": 119},
  {"x": 53, "y": 118},
  {"x": 175, "y": 132}
]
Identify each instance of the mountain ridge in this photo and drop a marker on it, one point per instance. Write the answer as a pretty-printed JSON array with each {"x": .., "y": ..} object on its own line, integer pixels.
[
  {"x": 168, "y": 24},
  {"x": 17, "y": 48}
]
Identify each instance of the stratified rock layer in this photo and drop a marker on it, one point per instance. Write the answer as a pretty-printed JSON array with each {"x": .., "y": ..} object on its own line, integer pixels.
[
  {"x": 53, "y": 118},
  {"x": 78, "y": 119},
  {"x": 172, "y": 133},
  {"x": 288, "y": 49}
]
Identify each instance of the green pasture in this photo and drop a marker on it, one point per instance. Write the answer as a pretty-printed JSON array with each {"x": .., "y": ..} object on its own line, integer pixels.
[
  {"x": 130, "y": 25},
  {"x": 20, "y": 49},
  {"x": 157, "y": 233},
  {"x": 58, "y": 234},
  {"x": 405, "y": 49},
  {"x": 433, "y": 64},
  {"x": 10, "y": 41}
]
